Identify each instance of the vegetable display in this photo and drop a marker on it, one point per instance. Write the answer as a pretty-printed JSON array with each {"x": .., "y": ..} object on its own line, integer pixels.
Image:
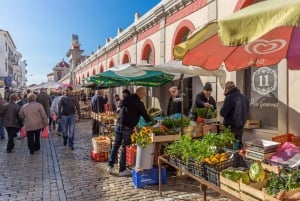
[
  {"x": 186, "y": 148},
  {"x": 176, "y": 123},
  {"x": 206, "y": 112},
  {"x": 235, "y": 175},
  {"x": 256, "y": 172},
  {"x": 294, "y": 180}
]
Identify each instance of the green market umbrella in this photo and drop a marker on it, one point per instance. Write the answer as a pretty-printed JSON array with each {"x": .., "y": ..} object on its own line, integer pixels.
[
  {"x": 103, "y": 82},
  {"x": 140, "y": 75}
]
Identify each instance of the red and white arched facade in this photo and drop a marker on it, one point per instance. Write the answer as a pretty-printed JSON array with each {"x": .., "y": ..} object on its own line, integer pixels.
[{"x": 153, "y": 36}]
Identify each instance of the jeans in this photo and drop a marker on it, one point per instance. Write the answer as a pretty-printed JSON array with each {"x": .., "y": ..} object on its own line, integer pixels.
[
  {"x": 59, "y": 128},
  {"x": 2, "y": 132},
  {"x": 12, "y": 133},
  {"x": 68, "y": 127},
  {"x": 122, "y": 138},
  {"x": 33, "y": 138}
]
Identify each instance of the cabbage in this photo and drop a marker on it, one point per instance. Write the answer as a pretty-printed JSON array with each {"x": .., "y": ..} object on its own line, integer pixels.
[
  {"x": 256, "y": 172},
  {"x": 245, "y": 177}
]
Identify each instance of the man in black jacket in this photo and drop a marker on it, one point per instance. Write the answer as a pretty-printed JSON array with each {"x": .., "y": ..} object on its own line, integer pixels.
[
  {"x": 98, "y": 102},
  {"x": 235, "y": 110},
  {"x": 67, "y": 108},
  {"x": 132, "y": 109}
]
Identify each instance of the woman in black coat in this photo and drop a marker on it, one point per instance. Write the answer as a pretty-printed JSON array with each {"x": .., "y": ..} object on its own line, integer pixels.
[{"x": 12, "y": 122}]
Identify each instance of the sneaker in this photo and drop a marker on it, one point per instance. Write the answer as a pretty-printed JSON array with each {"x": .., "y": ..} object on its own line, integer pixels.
[
  {"x": 109, "y": 169},
  {"x": 125, "y": 173},
  {"x": 71, "y": 148},
  {"x": 58, "y": 133},
  {"x": 65, "y": 142}
]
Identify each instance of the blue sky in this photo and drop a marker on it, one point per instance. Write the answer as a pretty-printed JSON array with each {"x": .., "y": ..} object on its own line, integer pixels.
[{"x": 42, "y": 30}]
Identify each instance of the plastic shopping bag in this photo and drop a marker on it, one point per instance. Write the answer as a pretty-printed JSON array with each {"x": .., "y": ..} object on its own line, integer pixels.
[
  {"x": 23, "y": 132},
  {"x": 45, "y": 133}
]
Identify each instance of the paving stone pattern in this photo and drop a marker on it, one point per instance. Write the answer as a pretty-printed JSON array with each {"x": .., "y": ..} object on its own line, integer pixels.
[{"x": 60, "y": 174}]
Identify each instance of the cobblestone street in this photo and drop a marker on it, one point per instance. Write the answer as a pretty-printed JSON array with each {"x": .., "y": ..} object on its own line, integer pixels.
[{"x": 57, "y": 173}]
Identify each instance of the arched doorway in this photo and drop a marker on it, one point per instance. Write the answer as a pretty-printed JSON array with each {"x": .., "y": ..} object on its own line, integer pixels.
[
  {"x": 111, "y": 63},
  {"x": 126, "y": 58},
  {"x": 148, "y": 52}
]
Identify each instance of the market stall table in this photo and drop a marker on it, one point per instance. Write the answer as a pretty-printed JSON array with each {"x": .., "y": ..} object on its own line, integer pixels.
[{"x": 203, "y": 183}]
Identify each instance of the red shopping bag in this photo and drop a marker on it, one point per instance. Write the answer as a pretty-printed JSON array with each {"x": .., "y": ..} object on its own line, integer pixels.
[
  {"x": 45, "y": 132},
  {"x": 23, "y": 132}
]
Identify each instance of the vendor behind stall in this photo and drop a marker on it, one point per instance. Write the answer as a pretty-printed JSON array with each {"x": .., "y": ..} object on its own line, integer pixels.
[
  {"x": 97, "y": 104},
  {"x": 174, "y": 105},
  {"x": 204, "y": 98}
]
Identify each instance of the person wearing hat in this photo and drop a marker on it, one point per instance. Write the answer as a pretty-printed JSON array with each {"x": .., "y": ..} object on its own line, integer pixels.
[
  {"x": 174, "y": 106},
  {"x": 204, "y": 98},
  {"x": 235, "y": 110}
]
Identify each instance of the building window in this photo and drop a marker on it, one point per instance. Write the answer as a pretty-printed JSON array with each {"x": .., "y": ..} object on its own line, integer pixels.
[
  {"x": 59, "y": 75},
  {"x": 261, "y": 89}
]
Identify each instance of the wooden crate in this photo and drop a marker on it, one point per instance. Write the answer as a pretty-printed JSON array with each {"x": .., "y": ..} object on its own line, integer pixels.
[
  {"x": 230, "y": 186},
  {"x": 209, "y": 128},
  {"x": 252, "y": 192},
  {"x": 271, "y": 168},
  {"x": 269, "y": 197},
  {"x": 164, "y": 138}
]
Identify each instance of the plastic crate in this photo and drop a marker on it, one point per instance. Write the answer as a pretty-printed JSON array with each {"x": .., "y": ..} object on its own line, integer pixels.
[
  {"x": 212, "y": 172},
  {"x": 212, "y": 175},
  {"x": 197, "y": 169},
  {"x": 171, "y": 160},
  {"x": 99, "y": 157},
  {"x": 131, "y": 155},
  {"x": 287, "y": 138},
  {"x": 182, "y": 165},
  {"x": 148, "y": 177}
]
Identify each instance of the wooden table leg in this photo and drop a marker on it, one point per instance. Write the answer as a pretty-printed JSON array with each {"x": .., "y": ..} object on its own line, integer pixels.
[
  {"x": 159, "y": 178},
  {"x": 203, "y": 189}
]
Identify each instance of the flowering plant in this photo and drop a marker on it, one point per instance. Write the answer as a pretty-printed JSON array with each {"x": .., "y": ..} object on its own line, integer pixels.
[{"x": 143, "y": 137}]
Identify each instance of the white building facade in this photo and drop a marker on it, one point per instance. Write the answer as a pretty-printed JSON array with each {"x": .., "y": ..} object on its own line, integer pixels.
[{"x": 12, "y": 67}]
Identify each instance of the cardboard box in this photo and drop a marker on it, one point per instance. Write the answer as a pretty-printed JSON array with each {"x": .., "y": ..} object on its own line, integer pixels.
[
  {"x": 252, "y": 124},
  {"x": 211, "y": 128}
]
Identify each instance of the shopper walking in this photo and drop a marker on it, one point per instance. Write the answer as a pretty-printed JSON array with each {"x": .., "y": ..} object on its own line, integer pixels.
[
  {"x": 97, "y": 104},
  {"x": 132, "y": 109},
  {"x": 45, "y": 99},
  {"x": 54, "y": 111},
  {"x": 2, "y": 131},
  {"x": 12, "y": 122},
  {"x": 35, "y": 119},
  {"x": 235, "y": 110},
  {"x": 67, "y": 107}
]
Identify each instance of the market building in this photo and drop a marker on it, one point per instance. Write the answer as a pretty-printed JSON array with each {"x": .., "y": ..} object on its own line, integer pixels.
[
  {"x": 151, "y": 38},
  {"x": 12, "y": 67}
]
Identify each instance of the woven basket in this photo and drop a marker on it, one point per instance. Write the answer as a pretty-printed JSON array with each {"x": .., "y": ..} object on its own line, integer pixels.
[{"x": 101, "y": 144}]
